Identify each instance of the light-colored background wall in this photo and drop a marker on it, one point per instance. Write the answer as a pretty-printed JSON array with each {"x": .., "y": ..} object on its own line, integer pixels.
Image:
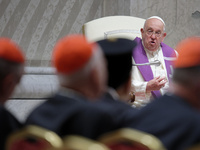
[{"x": 37, "y": 24}]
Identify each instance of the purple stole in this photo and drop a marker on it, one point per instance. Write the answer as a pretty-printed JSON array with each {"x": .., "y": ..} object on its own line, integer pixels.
[{"x": 140, "y": 57}]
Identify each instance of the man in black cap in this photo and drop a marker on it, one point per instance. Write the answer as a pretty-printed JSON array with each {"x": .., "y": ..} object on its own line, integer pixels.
[{"x": 118, "y": 53}]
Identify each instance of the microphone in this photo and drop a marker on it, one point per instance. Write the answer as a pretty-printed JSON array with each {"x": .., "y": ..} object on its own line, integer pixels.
[{"x": 156, "y": 62}]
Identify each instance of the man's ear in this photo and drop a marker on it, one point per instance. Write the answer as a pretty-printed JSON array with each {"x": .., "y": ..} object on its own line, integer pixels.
[
  {"x": 128, "y": 85},
  {"x": 7, "y": 86},
  {"x": 7, "y": 81},
  {"x": 163, "y": 36},
  {"x": 142, "y": 30}
]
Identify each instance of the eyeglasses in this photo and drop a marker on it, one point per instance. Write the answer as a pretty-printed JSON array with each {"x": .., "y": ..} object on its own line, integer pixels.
[{"x": 157, "y": 33}]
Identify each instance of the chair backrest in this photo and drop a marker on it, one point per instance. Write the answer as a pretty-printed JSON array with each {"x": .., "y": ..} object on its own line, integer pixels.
[
  {"x": 34, "y": 138},
  {"x": 113, "y": 26},
  {"x": 131, "y": 139},
  {"x": 76, "y": 142}
]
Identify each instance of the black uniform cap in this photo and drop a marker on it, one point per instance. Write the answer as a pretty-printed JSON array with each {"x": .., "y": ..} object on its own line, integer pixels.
[{"x": 118, "y": 53}]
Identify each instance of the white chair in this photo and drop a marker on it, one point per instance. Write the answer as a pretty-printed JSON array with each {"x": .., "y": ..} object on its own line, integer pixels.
[{"x": 113, "y": 26}]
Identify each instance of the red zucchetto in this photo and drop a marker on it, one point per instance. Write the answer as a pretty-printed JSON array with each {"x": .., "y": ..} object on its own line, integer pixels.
[
  {"x": 10, "y": 51},
  {"x": 71, "y": 53},
  {"x": 189, "y": 53}
]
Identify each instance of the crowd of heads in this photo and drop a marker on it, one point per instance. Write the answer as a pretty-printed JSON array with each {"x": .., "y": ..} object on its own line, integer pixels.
[{"x": 92, "y": 67}]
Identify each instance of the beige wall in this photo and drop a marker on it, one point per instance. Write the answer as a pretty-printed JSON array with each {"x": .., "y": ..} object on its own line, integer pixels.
[{"x": 179, "y": 16}]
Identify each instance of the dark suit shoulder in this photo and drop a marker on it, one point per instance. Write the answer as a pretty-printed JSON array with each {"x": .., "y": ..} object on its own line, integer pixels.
[
  {"x": 8, "y": 125},
  {"x": 171, "y": 119}
]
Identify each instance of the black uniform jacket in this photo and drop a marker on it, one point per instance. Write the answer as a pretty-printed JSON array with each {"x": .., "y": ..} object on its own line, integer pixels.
[
  {"x": 171, "y": 119},
  {"x": 66, "y": 115}
]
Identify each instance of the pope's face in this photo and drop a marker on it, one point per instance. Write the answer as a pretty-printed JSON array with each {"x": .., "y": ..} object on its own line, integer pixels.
[{"x": 153, "y": 34}]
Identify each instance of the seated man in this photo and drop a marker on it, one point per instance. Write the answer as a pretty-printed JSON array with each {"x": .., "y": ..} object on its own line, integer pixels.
[
  {"x": 151, "y": 81},
  {"x": 174, "y": 117},
  {"x": 11, "y": 70},
  {"x": 83, "y": 77},
  {"x": 69, "y": 111}
]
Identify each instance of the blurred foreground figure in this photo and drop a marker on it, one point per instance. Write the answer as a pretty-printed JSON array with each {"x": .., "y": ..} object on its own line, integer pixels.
[
  {"x": 118, "y": 53},
  {"x": 11, "y": 70},
  {"x": 175, "y": 117},
  {"x": 80, "y": 66},
  {"x": 83, "y": 78}
]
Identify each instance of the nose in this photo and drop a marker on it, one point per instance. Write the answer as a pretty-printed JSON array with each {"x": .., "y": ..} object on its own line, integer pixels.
[{"x": 153, "y": 36}]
